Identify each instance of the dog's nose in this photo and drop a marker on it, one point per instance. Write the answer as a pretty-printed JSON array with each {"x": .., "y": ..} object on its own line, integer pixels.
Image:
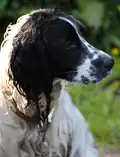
[
  {"x": 105, "y": 62},
  {"x": 108, "y": 63}
]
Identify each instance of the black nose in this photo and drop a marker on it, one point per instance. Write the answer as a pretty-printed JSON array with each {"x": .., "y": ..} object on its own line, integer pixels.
[
  {"x": 105, "y": 62},
  {"x": 108, "y": 63}
]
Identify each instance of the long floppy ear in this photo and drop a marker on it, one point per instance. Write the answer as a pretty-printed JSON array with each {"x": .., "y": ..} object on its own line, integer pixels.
[{"x": 29, "y": 64}]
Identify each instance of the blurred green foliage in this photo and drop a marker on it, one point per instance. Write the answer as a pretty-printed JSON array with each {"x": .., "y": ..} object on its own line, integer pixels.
[
  {"x": 99, "y": 103},
  {"x": 101, "y": 16}
]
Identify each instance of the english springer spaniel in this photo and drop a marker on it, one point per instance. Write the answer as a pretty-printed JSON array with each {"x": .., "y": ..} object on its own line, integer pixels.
[{"x": 41, "y": 49}]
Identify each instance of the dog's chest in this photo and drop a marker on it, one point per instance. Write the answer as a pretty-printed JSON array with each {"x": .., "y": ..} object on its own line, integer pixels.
[{"x": 16, "y": 140}]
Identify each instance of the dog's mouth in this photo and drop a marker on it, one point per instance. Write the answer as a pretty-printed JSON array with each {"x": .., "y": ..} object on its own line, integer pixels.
[
  {"x": 109, "y": 72},
  {"x": 97, "y": 78},
  {"x": 100, "y": 77}
]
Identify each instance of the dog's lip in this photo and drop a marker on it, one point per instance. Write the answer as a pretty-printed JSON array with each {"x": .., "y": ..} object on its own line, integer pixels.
[
  {"x": 105, "y": 75},
  {"x": 109, "y": 72}
]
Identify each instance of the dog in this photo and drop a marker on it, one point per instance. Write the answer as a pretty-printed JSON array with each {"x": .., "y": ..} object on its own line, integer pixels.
[{"x": 41, "y": 49}]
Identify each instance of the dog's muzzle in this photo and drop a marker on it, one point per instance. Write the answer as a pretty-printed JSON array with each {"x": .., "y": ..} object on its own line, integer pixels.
[{"x": 94, "y": 69}]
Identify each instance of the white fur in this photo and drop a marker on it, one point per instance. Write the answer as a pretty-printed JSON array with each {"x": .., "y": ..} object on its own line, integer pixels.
[
  {"x": 84, "y": 70},
  {"x": 69, "y": 128}
]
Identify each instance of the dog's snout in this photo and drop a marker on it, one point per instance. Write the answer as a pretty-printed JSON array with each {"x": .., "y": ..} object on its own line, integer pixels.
[
  {"x": 105, "y": 62},
  {"x": 108, "y": 63},
  {"x": 97, "y": 62}
]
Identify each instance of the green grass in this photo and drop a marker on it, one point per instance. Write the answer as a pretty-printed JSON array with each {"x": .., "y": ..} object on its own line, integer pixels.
[{"x": 101, "y": 108}]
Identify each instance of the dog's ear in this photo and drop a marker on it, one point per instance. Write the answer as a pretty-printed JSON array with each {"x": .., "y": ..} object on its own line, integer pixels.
[{"x": 29, "y": 64}]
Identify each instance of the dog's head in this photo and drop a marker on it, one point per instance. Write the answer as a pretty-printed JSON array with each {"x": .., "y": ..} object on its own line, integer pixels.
[
  {"x": 71, "y": 56},
  {"x": 48, "y": 45}
]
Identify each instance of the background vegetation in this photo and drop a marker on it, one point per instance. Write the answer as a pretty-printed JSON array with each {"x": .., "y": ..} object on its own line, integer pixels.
[{"x": 99, "y": 103}]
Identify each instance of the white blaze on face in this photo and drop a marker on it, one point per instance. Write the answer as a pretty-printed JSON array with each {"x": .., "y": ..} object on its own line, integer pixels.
[{"x": 84, "y": 70}]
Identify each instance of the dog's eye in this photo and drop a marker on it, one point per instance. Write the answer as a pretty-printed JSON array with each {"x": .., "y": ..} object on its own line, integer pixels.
[{"x": 70, "y": 45}]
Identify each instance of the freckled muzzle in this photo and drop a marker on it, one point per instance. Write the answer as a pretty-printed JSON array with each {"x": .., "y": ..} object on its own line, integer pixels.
[
  {"x": 94, "y": 69},
  {"x": 102, "y": 67}
]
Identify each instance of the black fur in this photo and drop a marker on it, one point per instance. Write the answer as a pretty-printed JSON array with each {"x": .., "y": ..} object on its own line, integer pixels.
[{"x": 37, "y": 57}]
